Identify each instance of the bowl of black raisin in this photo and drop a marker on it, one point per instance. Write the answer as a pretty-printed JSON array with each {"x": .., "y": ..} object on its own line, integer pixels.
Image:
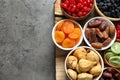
[{"x": 108, "y": 8}]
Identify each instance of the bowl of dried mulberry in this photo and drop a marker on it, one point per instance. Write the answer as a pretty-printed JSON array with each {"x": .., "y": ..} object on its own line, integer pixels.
[
  {"x": 108, "y": 8},
  {"x": 84, "y": 63},
  {"x": 99, "y": 33}
]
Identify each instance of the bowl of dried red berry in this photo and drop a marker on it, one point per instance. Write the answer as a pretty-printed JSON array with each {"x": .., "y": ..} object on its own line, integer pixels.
[
  {"x": 108, "y": 8},
  {"x": 77, "y": 9},
  {"x": 99, "y": 33}
]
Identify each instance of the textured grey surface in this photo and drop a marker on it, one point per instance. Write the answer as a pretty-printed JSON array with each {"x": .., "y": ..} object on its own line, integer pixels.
[{"x": 26, "y": 47}]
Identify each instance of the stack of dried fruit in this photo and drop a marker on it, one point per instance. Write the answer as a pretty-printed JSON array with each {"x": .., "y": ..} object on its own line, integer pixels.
[
  {"x": 67, "y": 34},
  {"x": 110, "y": 74},
  {"x": 77, "y": 8},
  {"x": 99, "y": 32},
  {"x": 84, "y": 64}
]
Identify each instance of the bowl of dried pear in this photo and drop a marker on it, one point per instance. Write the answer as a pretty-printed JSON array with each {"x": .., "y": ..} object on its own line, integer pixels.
[{"x": 85, "y": 63}]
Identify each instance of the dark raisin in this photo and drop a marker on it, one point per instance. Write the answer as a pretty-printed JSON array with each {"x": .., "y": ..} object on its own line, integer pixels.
[
  {"x": 101, "y": 4},
  {"x": 104, "y": 7},
  {"x": 113, "y": 1},
  {"x": 118, "y": 8},
  {"x": 107, "y": 0},
  {"x": 107, "y": 13},
  {"x": 108, "y": 4},
  {"x": 118, "y": 15}
]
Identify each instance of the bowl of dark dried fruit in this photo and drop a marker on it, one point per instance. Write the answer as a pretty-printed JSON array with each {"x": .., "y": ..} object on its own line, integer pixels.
[
  {"x": 108, "y": 8},
  {"x": 110, "y": 73},
  {"x": 99, "y": 33},
  {"x": 77, "y": 9}
]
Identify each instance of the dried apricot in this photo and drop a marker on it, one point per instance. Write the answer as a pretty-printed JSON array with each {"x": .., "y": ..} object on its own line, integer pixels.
[
  {"x": 59, "y": 36},
  {"x": 59, "y": 26},
  {"x": 76, "y": 26},
  {"x": 77, "y": 40},
  {"x": 68, "y": 43},
  {"x": 67, "y": 27},
  {"x": 75, "y": 34}
]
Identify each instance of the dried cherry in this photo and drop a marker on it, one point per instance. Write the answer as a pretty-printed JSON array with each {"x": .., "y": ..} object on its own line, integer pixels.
[{"x": 77, "y": 8}]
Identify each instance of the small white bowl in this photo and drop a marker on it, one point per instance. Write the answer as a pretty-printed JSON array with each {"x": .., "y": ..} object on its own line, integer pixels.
[
  {"x": 54, "y": 29},
  {"x": 87, "y": 42},
  {"x": 86, "y": 47}
]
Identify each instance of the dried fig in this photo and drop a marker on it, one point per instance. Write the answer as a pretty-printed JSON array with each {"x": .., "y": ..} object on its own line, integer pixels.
[
  {"x": 72, "y": 62},
  {"x": 72, "y": 74}
]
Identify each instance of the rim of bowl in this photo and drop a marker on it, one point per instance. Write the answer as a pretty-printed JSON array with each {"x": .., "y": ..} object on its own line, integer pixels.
[
  {"x": 86, "y": 47},
  {"x": 77, "y": 18},
  {"x": 59, "y": 46},
  {"x": 85, "y": 26},
  {"x": 100, "y": 13},
  {"x": 111, "y": 67}
]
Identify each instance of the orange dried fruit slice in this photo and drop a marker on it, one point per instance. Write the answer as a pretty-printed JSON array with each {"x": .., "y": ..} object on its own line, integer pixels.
[
  {"x": 77, "y": 40},
  {"x": 68, "y": 43},
  {"x": 59, "y": 26},
  {"x": 59, "y": 36},
  {"x": 67, "y": 27},
  {"x": 75, "y": 34}
]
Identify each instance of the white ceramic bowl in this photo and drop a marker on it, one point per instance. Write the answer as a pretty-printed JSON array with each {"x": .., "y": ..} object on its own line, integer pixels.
[
  {"x": 59, "y": 46},
  {"x": 86, "y": 25},
  {"x": 86, "y": 47}
]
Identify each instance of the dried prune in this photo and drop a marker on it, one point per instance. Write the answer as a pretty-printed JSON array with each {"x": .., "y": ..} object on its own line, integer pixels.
[{"x": 107, "y": 75}]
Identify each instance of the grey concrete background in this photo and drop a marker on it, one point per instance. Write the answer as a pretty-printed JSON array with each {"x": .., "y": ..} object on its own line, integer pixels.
[{"x": 26, "y": 47}]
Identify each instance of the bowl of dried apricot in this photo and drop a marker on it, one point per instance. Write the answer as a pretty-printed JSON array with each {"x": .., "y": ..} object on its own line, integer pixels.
[
  {"x": 99, "y": 33},
  {"x": 84, "y": 63},
  {"x": 67, "y": 34}
]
